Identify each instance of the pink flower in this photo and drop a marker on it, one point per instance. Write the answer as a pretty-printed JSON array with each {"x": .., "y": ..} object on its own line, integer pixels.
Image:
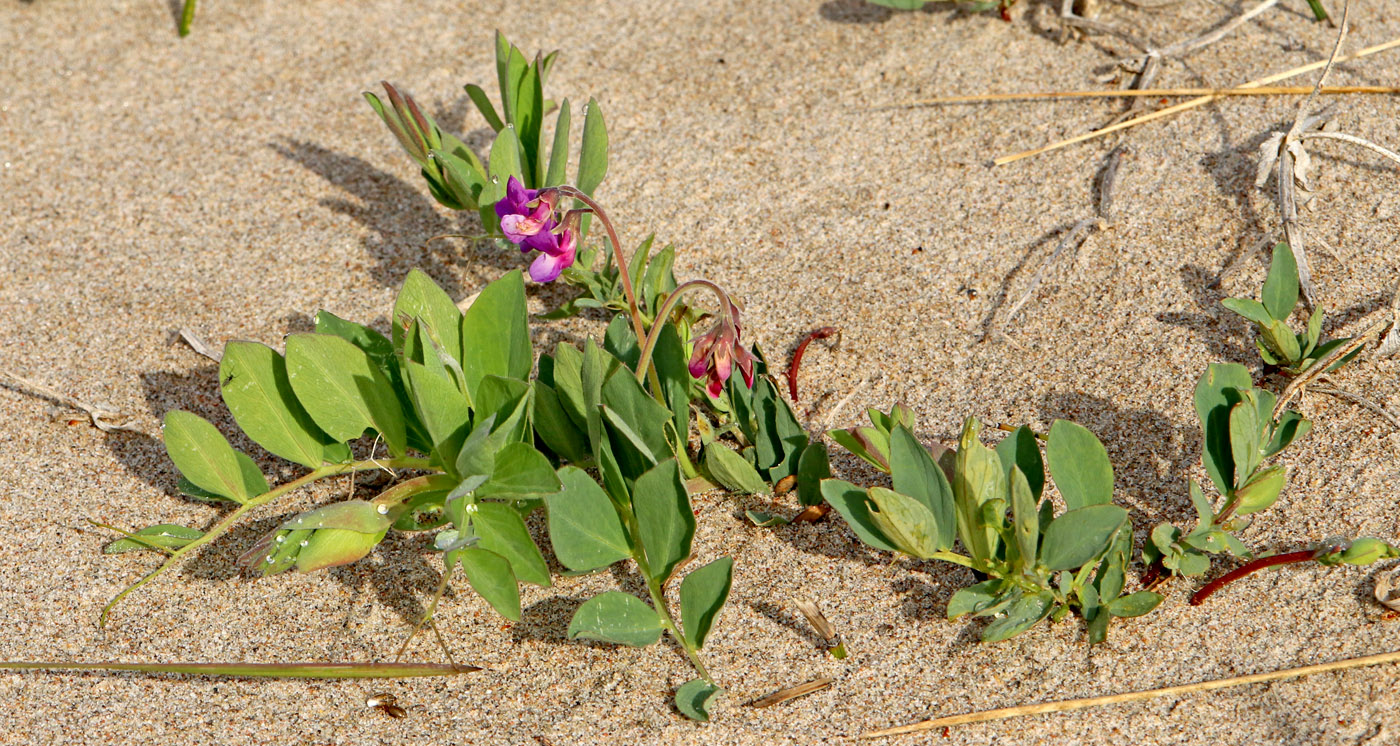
[
  {"x": 555, "y": 259},
  {"x": 717, "y": 352}
]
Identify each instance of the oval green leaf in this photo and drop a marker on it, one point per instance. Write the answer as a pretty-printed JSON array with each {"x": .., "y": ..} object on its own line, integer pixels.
[
  {"x": 1079, "y": 464},
  {"x": 703, "y": 593},
  {"x": 206, "y": 459},
  {"x": 616, "y": 617}
]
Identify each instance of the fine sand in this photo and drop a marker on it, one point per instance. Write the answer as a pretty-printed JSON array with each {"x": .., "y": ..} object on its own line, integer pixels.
[{"x": 234, "y": 182}]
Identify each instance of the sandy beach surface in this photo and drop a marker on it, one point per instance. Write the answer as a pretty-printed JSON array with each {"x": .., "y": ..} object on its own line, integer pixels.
[{"x": 233, "y": 183}]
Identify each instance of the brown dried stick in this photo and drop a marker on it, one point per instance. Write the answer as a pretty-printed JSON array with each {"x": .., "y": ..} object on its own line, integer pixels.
[
  {"x": 1273, "y": 90},
  {"x": 1192, "y": 103},
  {"x": 1079, "y": 704}
]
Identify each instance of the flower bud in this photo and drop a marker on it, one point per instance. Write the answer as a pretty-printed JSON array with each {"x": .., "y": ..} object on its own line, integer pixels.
[
  {"x": 333, "y": 535},
  {"x": 1364, "y": 551}
]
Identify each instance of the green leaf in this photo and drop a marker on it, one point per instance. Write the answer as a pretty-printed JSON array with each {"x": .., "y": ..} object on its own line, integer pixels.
[
  {"x": 206, "y": 459},
  {"x": 554, "y": 426},
  {"x": 618, "y": 618},
  {"x": 693, "y": 699},
  {"x": 1079, "y": 464},
  {"x": 568, "y": 383},
  {"x": 502, "y": 531},
  {"x": 1205, "y": 512},
  {"x": 975, "y": 598},
  {"x": 703, "y": 593},
  {"x": 665, "y": 523},
  {"x": 1020, "y": 449},
  {"x": 496, "y": 334},
  {"x": 1280, "y": 293},
  {"x": 529, "y": 118},
  {"x": 442, "y": 407},
  {"x": 813, "y": 467},
  {"x": 1291, "y": 426},
  {"x": 1020, "y": 617},
  {"x": 908, "y": 523},
  {"x": 1079, "y": 536},
  {"x": 510, "y": 65},
  {"x": 585, "y": 530},
  {"x": 520, "y": 472},
  {"x": 977, "y": 479},
  {"x": 483, "y": 104},
  {"x": 1216, "y": 392},
  {"x": 1249, "y": 308},
  {"x": 166, "y": 535},
  {"x": 1134, "y": 604},
  {"x": 1244, "y": 438},
  {"x": 256, "y": 390},
  {"x": 1261, "y": 491},
  {"x": 508, "y": 401},
  {"x": 491, "y": 577},
  {"x": 765, "y": 520},
  {"x": 1025, "y": 519},
  {"x": 343, "y": 390},
  {"x": 917, "y": 475},
  {"x": 670, "y": 358},
  {"x": 593, "y": 159},
  {"x": 730, "y": 470},
  {"x": 850, "y": 501},
  {"x": 1282, "y": 339},
  {"x": 559, "y": 152},
  {"x": 359, "y": 516},
  {"x": 420, "y": 298}
]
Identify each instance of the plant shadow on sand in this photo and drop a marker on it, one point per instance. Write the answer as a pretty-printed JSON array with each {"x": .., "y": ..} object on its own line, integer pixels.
[{"x": 401, "y": 218}]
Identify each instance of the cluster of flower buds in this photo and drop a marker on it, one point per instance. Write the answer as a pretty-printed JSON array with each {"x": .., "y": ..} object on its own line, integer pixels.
[
  {"x": 718, "y": 351},
  {"x": 528, "y": 221}
]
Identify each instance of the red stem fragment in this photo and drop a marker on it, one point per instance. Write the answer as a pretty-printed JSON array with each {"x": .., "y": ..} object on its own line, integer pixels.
[
  {"x": 1287, "y": 558},
  {"x": 821, "y": 333}
]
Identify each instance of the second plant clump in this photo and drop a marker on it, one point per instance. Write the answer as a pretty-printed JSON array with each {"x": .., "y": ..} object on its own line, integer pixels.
[{"x": 610, "y": 437}]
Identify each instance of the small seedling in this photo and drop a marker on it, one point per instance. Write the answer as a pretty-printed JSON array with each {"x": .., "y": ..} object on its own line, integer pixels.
[{"x": 1278, "y": 344}]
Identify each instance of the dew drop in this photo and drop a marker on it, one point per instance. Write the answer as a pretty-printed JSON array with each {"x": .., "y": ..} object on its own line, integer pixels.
[
  {"x": 304, "y": 542},
  {"x": 281, "y": 539},
  {"x": 383, "y": 509}
]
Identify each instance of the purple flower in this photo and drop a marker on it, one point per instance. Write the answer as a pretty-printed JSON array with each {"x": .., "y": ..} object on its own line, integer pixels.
[
  {"x": 526, "y": 226},
  {"x": 717, "y": 352},
  {"x": 556, "y": 259}
]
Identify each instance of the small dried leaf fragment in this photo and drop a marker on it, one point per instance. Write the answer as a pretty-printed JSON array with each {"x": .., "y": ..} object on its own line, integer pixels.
[
  {"x": 1387, "y": 592},
  {"x": 793, "y": 692}
]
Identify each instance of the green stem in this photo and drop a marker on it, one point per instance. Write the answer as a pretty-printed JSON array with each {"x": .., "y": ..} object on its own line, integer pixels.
[
  {"x": 658, "y": 596},
  {"x": 649, "y": 346},
  {"x": 621, "y": 260},
  {"x": 222, "y": 527},
  {"x": 260, "y": 670},
  {"x": 1319, "y": 12},
  {"x": 956, "y": 559},
  {"x": 186, "y": 17}
]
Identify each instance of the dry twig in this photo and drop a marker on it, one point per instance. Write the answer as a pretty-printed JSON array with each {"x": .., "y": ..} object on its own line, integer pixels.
[
  {"x": 1079, "y": 704},
  {"x": 104, "y": 418}
]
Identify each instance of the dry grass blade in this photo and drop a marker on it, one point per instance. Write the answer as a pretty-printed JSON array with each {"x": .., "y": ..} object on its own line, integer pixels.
[
  {"x": 1361, "y": 401},
  {"x": 1191, "y": 104},
  {"x": 1273, "y": 90},
  {"x": 816, "y": 618},
  {"x": 1079, "y": 704},
  {"x": 792, "y": 692}
]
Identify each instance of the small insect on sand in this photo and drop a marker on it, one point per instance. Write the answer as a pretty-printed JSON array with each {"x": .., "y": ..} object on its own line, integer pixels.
[{"x": 387, "y": 704}]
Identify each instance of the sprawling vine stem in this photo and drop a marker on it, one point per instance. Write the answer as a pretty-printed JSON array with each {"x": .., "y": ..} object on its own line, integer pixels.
[
  {"x": 222, "y": 527},
  {"x": 1252, "y": 566}
]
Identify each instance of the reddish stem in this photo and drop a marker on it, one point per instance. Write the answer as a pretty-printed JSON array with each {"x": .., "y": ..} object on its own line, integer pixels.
[
  {"x": 821, "y": 333},
  {"x": 1287, "y": 558}
]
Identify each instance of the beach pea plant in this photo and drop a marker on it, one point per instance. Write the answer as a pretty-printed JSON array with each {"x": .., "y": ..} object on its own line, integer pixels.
[
  {"x": 479, "y": 437},
  {"x": 1242, "y": 428},
  {"x": 1037, "y": 564},
  {"x": 522, "y": 146},
  {"x": 1278, "y": 344}
]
